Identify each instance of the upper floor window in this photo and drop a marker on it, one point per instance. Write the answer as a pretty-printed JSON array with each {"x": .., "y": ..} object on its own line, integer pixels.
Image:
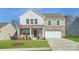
[
  {"x": 58, "y": 22},
  {"x": 49, "y": 22},
  {"x": 36, "y": 21},
  {"x": 31, "y": 21},
  {"x": 27, "y": 21}
]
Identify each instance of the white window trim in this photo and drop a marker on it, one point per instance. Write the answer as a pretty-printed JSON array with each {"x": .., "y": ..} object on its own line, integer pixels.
[
  {"x": 57, "y": 22},
  {"x": 48, "y": 22},
  {"x": 26, "y": 21},
  {"x": 31, "y": 21},
  {"x": 35, "y": 21}
]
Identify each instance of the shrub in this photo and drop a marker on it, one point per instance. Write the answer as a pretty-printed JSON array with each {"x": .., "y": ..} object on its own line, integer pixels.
[
  {"x": 38, "y": 37},
  {"x": 30, "y": 38},
  {"x": 13, "y": 38},
  {"x": 44, "y": 38},
  {"x": 26, "y": 37}
]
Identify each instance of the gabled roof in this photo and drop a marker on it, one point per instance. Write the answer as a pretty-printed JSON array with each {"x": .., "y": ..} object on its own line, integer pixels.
[
  {"x": 45, "y": 15},
  {"x": 3, "y": 24},
  {"x": 33, "y": 11},
  {"x": 53, "y": 16}
]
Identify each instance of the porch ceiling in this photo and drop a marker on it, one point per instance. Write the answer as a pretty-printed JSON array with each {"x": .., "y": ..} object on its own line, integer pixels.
[{"x": 31, "y": 26}]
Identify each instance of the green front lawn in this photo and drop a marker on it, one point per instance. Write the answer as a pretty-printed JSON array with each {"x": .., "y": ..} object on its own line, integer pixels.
[
  {"x": 23, "y": 43},
  {"x": 74, "y": 38}
]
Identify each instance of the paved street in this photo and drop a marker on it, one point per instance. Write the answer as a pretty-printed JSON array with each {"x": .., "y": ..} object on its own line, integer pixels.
[{"x": 63, "y": 45}]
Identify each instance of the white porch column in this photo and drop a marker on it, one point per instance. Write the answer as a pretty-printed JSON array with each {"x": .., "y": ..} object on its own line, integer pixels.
[
  {"x": 18, "y": 32},
  {"x": 43, "y": 31},
  {"x": 30, "y": 32}
]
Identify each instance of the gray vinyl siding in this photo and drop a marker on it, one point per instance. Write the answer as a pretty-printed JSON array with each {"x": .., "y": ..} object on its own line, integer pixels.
[{"x": 72, "y": 26}]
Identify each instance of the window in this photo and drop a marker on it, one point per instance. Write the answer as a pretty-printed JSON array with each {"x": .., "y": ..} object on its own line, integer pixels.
[
  {"x": 27, "y": 21},
  {"x": 23, "y": 31},
  {"x": 36, "y": 21},
  {"x": 58, "y": 22},
  {"x": 49, "y": 22},
  {"x": 27, "y": 31},
  {"x": 31, "y": 21}
]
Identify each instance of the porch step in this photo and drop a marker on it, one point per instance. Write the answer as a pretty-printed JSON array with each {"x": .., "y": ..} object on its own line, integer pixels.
[{"x": 34, "y": 38}]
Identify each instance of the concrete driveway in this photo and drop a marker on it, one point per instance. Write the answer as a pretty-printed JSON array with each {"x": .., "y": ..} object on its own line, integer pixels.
[{"x": 63, "y": 45}]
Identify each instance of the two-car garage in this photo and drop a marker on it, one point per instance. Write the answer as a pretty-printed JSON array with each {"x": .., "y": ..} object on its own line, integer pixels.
[{"x": 53, "y": 34}]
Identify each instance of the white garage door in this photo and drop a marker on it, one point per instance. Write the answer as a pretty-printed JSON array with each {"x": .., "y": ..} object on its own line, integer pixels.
[{"x": 52, "y": 34}]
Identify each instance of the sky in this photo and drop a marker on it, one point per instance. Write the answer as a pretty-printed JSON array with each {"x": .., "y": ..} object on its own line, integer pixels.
[{"x": 9, "y": 14}]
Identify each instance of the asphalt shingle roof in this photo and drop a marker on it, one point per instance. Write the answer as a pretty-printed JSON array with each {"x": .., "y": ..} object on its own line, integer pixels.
[
  {"x": 3, "y": 24},
  {"x": 53, "y": 16}
]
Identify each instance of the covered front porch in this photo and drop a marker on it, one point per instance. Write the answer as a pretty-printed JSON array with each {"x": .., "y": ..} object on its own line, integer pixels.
[{"x": 32, "y": 32}]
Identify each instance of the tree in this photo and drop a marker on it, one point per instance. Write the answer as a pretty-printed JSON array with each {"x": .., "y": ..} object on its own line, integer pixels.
[{"x": 15, "y": 23}]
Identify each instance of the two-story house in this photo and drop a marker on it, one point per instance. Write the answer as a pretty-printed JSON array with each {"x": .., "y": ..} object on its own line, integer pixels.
[{"x": 35, "y": 25}]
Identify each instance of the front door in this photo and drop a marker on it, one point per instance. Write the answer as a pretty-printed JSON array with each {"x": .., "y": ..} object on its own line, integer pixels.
[{"x": 35, "y": 33}]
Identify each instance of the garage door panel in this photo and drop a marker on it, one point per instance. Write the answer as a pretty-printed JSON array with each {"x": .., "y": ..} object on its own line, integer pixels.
[{"x": 52, "y": 34}]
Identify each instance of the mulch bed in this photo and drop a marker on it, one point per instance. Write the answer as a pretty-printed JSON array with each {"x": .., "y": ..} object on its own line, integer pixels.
[{"x": 17, "y": 44}]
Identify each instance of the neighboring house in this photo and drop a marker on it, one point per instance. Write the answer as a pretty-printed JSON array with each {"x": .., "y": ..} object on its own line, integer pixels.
[
  {"x": 68, "y": 26},
  {"x": 6, "y": 31},
  {"x": 35, "y": 24},
  {"x": 73, "y": 27}
]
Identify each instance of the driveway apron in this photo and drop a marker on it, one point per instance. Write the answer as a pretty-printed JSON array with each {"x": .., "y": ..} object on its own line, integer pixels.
[{"x": 63, "y": 45}]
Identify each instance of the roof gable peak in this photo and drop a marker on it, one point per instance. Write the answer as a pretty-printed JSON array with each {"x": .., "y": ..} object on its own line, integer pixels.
[{"x": 33, "y": 11}]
